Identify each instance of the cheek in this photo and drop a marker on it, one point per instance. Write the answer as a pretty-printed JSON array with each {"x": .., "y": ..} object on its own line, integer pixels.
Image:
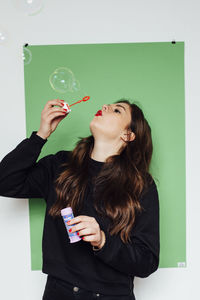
[
  {"x": 112, "y": 126},
  {"x": 114, "y": 122}
]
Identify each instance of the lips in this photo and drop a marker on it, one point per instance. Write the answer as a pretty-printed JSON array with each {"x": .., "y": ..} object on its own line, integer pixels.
[{"x": 99, "y": 113}]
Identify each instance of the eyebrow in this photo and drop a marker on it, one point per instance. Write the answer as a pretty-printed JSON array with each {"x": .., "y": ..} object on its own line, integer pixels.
[{"x": 121, "y": 106}]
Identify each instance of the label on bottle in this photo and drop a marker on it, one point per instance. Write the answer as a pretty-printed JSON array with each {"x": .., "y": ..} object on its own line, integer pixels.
[{"x": 66, "y": 218}]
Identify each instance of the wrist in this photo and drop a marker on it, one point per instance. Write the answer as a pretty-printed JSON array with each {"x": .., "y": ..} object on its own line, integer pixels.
[
  {"x": 102, "y": 242},
  {"x": 42, "y": 135}
]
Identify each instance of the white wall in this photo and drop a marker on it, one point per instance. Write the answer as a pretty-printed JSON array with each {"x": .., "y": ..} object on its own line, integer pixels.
[{"x": 92, "y": 21}]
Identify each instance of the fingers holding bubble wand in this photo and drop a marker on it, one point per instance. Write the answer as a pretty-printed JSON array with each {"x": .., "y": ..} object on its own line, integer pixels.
[
  {"x": 52, "y": 115},
  {"x": 67, "y": 106}
]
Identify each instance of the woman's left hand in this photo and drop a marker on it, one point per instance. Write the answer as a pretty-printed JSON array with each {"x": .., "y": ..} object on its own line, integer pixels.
[{"x": 89, "y": 228}]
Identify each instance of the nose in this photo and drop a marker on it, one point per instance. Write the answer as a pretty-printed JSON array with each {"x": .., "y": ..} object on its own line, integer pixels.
[{"x": 105, "y": 107}]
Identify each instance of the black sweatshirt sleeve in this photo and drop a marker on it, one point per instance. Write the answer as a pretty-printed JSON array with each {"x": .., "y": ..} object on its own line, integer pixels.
[
  {"x": 20, "y": 175},
  {"x": 140, "y": 257}
]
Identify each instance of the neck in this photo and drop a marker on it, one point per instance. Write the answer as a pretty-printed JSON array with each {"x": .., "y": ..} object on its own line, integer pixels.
[{"x": 102, "y": 150}]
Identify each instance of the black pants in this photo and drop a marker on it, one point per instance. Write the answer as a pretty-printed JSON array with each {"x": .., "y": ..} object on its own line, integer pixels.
[{"x": 56, "y": 289}]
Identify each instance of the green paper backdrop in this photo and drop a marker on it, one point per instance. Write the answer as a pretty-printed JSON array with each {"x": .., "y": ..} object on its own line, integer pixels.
[{"x": 152, "y": 75}]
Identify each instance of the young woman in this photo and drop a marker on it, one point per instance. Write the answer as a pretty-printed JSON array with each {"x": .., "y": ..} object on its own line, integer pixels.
[{"x": 106, "y": 181}]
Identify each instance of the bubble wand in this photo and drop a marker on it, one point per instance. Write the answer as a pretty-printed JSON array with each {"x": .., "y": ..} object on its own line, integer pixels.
[{"x": 67, "y": 106}]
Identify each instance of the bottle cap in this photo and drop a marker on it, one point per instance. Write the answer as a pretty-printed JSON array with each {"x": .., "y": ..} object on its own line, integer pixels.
[
  {"x": 66, "y": 211},
  {"x": 74, "y": 239}
]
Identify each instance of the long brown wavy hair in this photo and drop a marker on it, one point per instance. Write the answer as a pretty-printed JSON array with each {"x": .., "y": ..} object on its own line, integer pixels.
[{"x": 120, "y": 183}]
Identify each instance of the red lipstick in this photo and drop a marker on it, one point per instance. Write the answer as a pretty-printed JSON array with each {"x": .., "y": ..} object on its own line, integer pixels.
[{"x": 99, "y": 113}]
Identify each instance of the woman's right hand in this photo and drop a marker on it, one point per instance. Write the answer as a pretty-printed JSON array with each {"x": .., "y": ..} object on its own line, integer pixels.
[{"x": 51, "y": 117}]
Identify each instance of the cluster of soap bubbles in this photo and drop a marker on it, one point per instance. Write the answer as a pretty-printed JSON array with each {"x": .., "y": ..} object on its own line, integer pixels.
[
  {"x": 62, "y": 80},
  {"x": 29, "y": 7}
]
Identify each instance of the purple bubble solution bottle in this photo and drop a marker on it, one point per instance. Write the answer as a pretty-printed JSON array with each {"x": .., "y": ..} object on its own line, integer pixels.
[{"x": 67, "y": 214}]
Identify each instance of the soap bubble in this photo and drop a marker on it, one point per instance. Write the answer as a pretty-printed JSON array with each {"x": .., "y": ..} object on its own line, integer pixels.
[
  {"x": 27, "y": 56},
  {"x": 61, "y": 80},
  {"x": 3, "y": 37},
  {"x": 75, "y": 85},
  {"x": 29, "y": 7}
]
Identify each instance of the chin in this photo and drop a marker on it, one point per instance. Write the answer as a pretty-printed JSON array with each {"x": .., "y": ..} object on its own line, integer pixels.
[
  {"x": 95, "y": 129},
  {"x": 91, "y": 127},
  {"x": 93, "y": 123}
]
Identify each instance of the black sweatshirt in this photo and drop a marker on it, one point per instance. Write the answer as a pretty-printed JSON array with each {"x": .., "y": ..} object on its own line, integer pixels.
[{"x": 111, "y": 269}]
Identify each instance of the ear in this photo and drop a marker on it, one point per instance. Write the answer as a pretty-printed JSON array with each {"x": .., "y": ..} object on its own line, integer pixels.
[{"x": 128, "y": 137}]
